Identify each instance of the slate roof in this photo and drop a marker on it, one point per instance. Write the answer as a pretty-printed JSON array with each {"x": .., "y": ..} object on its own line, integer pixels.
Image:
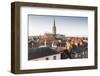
[{"x": 40, "y": 52}]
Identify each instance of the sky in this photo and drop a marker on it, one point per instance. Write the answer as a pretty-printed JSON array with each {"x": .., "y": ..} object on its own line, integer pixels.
[{"x": 66, "y": 25}]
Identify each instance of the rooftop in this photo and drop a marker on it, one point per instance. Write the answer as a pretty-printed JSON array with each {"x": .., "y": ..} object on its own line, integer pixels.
[{"x": 34, "y": 53}]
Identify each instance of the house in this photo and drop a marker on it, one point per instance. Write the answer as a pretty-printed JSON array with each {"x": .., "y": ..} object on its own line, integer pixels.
[{"x": 43, "y": 53}]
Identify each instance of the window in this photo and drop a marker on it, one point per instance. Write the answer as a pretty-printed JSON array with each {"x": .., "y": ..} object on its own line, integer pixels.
[
  {"x": 54, "y": 57},
  {"x": 47, "y": 58}
]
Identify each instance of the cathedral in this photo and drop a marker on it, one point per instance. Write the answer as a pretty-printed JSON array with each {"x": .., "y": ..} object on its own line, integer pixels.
[{"x": 50, "y": 38}]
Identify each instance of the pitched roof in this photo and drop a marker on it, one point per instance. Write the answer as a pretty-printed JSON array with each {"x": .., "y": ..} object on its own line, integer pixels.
[{"x": 40, "y": 52}]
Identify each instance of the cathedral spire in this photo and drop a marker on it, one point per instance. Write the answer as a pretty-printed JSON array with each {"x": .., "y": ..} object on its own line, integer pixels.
[
  {"x": 54, "y": 28},
  {"x": 54, "y": 22}
]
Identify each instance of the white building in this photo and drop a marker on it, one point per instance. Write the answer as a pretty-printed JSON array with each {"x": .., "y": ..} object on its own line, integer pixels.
[{"x": 51, "y": 57}]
